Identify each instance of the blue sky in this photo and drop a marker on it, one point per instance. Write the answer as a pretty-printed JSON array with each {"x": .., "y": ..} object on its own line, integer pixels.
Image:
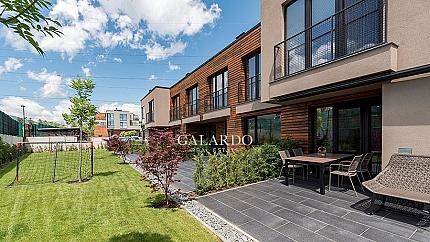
[{"x": 126, "y": 47}]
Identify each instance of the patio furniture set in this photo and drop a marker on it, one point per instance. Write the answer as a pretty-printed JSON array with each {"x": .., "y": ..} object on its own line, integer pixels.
[{"x": 406, "y": 176}]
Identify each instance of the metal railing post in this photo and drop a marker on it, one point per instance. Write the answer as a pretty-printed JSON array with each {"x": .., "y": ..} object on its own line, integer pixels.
[
  {"x": 17, "y": 162},
  {"x": 54, "y": 165},
  {"x": 92, "y": 158}
]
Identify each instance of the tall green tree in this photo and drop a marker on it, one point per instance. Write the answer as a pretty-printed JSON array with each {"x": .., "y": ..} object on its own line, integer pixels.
[
  {"x": 26, "y": 18},
  {"x": 82, "y": 112}
]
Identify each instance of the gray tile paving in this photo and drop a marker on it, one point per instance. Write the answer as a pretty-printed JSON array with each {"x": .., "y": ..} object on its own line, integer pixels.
[
  {"x": 270, "y": 211},
  {"x": 300, "y": 234},
  {"x": 383, "y": 236}
]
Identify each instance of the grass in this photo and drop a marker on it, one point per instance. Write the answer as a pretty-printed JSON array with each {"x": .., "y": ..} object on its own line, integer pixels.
[{"x": 114, "y": 206}]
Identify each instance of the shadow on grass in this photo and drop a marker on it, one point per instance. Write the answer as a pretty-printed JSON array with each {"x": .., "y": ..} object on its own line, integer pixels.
[
  {"x": 158, "y": 201},
  {"x": 141, "y": 237},
  {"x": 7, "y": 167},
  {"x": 108, "y": 173}
]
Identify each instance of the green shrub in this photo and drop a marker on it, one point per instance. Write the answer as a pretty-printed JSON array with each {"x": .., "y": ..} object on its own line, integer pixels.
[
  {"x": 219, "y": 170},
  {"x": 288, "y": 144},
  {"x": 7, "y": 152},
  {"x": 138, "y": 147}
]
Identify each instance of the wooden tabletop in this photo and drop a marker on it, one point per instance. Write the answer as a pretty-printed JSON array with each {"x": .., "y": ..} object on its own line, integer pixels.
[{"x": 318, "y": 159}]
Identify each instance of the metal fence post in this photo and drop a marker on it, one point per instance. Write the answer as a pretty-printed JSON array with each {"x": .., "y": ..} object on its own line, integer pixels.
[
  {"x": 54, "y": 165},
  {"x": 17, "y": 162},
  {"x": 92, "y": 158}
]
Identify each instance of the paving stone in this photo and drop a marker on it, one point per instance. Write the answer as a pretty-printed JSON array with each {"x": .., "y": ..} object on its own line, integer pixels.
[
  {"x": 316, "y": 196},
  {"x": 262, "y": 195},
  {"x": 377, "y": 222},
  {"x": 339, "y": 222},
  {"x": 300, "y": 234},
  {"x": 340, "y": 235},
  {"x": 265, "y": 205},
  {"x": 268, "y": 219},
  {"x": 210, "y": 202},
  {"x": 263, "y": 233},
  {"x": 299, "y": 219},
  {"x": 231, "y": 215},
  {"x": 234, "y": 203},
  {"x": 288, "y": 196},
  {"x": 297, "y": 207},
  {"x": 383, "y": 236},
  {"x": 421, "y": 235},
  {"x": 325, "y": 207}
]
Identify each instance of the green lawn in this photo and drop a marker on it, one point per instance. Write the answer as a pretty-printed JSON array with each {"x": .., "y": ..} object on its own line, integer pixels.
[{"x": 114, "y": 206}]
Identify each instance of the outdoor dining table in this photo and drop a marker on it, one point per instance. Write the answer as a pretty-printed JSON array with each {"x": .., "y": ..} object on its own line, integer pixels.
[{"x": 320, "y": 161}]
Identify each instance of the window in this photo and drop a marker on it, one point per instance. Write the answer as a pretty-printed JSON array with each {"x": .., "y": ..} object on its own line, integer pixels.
[
  {"x": 193, "y": 101},
  {"x": 253, "y": 67},
  {"x": 174, "y": 113},
  {"x": 150, "y": 114},
  {"x": 123, "y": 125},
  {"x": 110, "y": 120},
  {"x": 323, "y": 128},
  {"x": 102, "y": 123},
  {"x": 123, "y": 117},
  {"x": 219, "y": 89},
  {"x": 318, "y": 31},
  {"x": 264, "y": 129}
]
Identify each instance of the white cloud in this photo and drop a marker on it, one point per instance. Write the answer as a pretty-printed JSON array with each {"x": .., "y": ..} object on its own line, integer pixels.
[
  {"x": 52, "y": 83},
  {"x": 118, "y": 60},
  {"x": 138, "y": 24},
  {"x": 131, "y": 107},
  {"x": 173, "y": 67},
  {"x": 153, "y": 77},
  {"x": 166, "y": 17},
  {"x": 86, "y": 71},
  {"x": 22, "y": 88},
  {"x": 11, "y": 105},
  {"x": 10, "y": 65},
  {"x": 155, "y": 51}
]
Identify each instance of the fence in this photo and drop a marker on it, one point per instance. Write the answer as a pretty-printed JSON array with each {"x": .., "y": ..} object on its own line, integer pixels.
[{"x": 46, "y": 162}]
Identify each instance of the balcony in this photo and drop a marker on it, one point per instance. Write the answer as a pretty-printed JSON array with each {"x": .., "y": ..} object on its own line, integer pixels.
[
  {"x": 252, "y": 90},
  {"x": 354, "y": 29},
  {"x": 175, "y": 114},
  {"x": 216, "y": 100},
  {"x": 150, "y": 118},
  {"x": 191, "y": 108}
]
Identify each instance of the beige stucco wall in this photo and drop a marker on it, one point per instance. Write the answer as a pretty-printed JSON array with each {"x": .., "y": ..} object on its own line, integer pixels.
[
  {"x": 407, "y": 27},
  {"x": 254, "y": 106},
  {"x": 161, "y": 98},
  {"x": 406, "y": 117},
  {"x": 272, "y": 32}
]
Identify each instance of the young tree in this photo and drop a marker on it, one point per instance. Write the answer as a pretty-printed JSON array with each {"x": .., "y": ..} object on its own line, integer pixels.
[
  {"x": 82, "y": 112},
  {"x": 25, "y": 17},
  {"x": 162, "y": 160}
]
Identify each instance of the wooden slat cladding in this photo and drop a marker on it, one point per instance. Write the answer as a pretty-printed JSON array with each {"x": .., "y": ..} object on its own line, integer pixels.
[{"x": 231, "y": 59}]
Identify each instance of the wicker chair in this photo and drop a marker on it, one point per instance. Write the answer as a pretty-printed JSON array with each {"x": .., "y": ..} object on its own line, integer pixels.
[
  {"x": 285, "y": 154},
  {"x": 364, "y": 166},
  {"x": 406, "y": 177},
  {"x": 346, "y": 169}
]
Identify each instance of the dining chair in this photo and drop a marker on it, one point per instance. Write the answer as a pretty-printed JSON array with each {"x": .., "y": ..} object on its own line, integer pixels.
[
  {"x": 347, "y": 170},
  {"x": 285, "y": 154},
  {"x": 364, "y": 166},
  {"x": 298, "y": 152}
]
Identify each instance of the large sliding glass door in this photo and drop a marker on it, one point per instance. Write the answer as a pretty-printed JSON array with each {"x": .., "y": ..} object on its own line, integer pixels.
[{"x": 354, "y": 128}]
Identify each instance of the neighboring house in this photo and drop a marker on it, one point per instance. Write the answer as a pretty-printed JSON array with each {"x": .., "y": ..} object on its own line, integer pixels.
[
  {"x": 349, "y": 75},
  {"x": 113, "y": 122},
  {"x": 155, "y": 109}
]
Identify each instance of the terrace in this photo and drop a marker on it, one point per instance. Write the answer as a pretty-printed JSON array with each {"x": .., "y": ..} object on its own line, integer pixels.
[{"x": 271, "y": 211}]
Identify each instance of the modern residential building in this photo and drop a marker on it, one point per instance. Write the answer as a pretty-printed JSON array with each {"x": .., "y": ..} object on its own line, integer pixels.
[
  {"x": 113, "y": 122},
  {"x": 155, "y": 109},
  {"x": 343, "y": 74},
  {"x": 351, "y": 74}
]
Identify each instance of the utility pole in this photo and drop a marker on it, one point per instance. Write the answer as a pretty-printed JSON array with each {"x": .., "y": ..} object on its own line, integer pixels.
[{"x": 23, "y": 123}]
